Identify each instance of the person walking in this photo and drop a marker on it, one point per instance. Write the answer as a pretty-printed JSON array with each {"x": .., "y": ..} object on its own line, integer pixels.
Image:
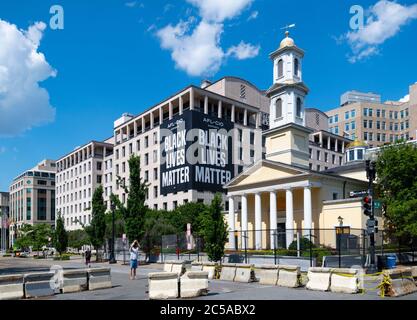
[
  {"x": 134, "y": 256},
  {"x": 87, "y": 257}
]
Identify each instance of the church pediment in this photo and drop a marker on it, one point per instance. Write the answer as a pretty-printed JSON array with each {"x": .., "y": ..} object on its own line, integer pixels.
[{"x": 265, "y": 171}]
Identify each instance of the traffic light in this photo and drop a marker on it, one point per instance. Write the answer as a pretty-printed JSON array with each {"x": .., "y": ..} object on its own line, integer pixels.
[{"x": 367, "y": 205}]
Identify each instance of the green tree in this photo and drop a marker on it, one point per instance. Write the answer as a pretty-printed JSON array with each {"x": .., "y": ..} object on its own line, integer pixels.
[
  {"x": 78, "y": 238},
  {"x": 190, "y": 212},
  {"x": 119, "y": 224},
  {"x": 25, "y": 237},
  {"x": 397, "y": 187},
  {"x": 42, "y": 233},
  {"x": 97, "y": 228},
  {"x": 214, "y": 229},
  {"x": 60, "y": 237},
  {"x": 156, "y": 225},
  {"x": 136, "y": 209}
]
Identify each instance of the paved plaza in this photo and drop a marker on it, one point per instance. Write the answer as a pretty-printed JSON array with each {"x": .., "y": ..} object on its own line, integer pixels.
[{"x": 126, "y": 289}]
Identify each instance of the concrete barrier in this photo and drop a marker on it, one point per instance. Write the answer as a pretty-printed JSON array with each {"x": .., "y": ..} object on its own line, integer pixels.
[
  {"x": 400, "y": 282},
  {"x": 163, "y": 285},
  {"x": 210, "y": 268},
  {"x": 167, "y": 266},
  {"x": 196, "y": 266},
  {"x": 318, "y": 279},
  {"x": 39, "y": 284},
  {"x": 244, "y": 273},
  {"x": 178, "y": 267},
  {"x": 11, "y": 287},
  {"x": 228, "y": 272},
  {"x": 194, "y": 284},
  {"x": 345, "y": 280},
  {"x": 267, "y": 274},
  {"x": 414, "y": 272},
  {"x": 75, "y": 280},
  {"x": 289, "y": 276},
  {"x": 99, "y": 278}
]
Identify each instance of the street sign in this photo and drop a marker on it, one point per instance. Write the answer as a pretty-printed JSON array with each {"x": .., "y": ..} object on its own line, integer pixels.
[
  {"x": 355, "y": 194},
  {"x": 377, "y": 204}
]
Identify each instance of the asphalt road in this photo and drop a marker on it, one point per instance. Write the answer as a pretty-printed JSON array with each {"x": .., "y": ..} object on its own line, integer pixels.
[{"x": 126, "y": 289}]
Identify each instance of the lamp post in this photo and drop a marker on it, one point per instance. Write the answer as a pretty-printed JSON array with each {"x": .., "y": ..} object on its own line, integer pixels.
[
  {"x": 112, "y": 255},
  {"x": 370, "y": 163}
]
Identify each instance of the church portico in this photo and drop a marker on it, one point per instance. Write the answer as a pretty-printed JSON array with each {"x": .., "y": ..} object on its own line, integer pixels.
[{"x": 271, "y": 209}]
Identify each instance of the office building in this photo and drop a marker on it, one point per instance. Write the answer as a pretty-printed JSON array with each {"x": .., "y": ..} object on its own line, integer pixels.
[{"x": 32, "y": 197}]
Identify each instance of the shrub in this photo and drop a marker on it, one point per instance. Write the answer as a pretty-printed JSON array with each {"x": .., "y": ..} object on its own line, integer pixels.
[{"x": 65, "y": 256}]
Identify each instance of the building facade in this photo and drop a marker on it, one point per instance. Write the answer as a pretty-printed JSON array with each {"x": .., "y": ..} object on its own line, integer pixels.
[
  {"x": 376, "y": 123},
  {"x": 4, "y": 221},
  {"x": 32, "y": 197},
  {"x": 79, "y": 173}
]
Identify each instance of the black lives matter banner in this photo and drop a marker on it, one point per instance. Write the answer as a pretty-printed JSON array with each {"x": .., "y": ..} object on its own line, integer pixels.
[{"x": 196, "y": 153}]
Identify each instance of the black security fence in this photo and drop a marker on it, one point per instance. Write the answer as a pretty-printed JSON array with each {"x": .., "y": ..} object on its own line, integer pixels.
[
  {"x": 403, "y": 248},
  {"x": 340, "y": 246}
]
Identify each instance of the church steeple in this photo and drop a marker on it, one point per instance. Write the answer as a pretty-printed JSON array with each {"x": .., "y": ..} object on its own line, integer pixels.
[
  {"x": 287, "y": 139},
  {"x": 288, "y": 91}
]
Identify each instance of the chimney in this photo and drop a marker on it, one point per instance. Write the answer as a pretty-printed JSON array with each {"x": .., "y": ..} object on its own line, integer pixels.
[{"x": 205, "y": 83}]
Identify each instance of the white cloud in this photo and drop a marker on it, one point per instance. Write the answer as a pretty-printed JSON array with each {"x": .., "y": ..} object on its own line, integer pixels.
[
  {"x": 406, "y": 98},
  {"x": 253, "y": 15},
  {"x": 2, "y": 150},
  {"x": 243, "y": 51},
  {"x": 195, "y": 47},
  {"x": 384, "y": 20},
  {"x": 197, "y": 53},
  {"x": 23, "y": 103},
  {"x": 220, "y": 10}
]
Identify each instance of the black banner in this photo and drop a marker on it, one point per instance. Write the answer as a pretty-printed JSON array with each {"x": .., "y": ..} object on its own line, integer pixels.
[{"x": 196, "y": 153}]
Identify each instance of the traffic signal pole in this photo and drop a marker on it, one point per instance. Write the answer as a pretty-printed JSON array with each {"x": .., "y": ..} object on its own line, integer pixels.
[{"x": 370, "y": 171}]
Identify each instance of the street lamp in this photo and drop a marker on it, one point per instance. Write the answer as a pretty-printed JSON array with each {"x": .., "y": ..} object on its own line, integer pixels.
[
  {"x": 340, "y": 221},
  {"x": 112, "y": 257},
  {"x": 370, "y": 163}
]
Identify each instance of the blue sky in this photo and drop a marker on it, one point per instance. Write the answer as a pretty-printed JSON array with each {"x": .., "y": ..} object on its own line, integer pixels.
[{"x": 119, "y": 56}]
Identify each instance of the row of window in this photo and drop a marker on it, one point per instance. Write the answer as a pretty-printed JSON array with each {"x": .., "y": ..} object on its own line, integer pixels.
[
  {"x": 78, "y": 183},
  {"x": 75, "y": 171},
  {"x": 84, "y": 194},
  {"x": 382, "y": 137},
  {"x": 138, "y": 146},
  {"x": 381, "y": 113},
  {"x": 369, "y": 112},
  {"x": 77, "y": 220},
  {"x": 75, "y": 208}
]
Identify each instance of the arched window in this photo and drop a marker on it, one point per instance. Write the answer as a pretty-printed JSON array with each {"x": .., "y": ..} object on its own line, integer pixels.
[
  {"x": 278, "y": 108},
  {"x": 296, "y": 67},
  {"x": 280, "y": 68},
  {"x": 298, "y": 110}
]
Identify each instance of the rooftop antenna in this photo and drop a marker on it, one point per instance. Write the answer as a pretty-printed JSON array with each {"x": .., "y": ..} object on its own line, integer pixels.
[{"x": 288, "y": 26}]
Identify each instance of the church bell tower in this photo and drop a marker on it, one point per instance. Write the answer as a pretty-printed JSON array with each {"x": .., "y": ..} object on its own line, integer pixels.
[{"x": 287, "y": 137}]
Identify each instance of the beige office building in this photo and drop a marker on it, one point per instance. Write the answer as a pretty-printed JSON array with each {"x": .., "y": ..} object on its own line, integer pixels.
[
  {"x": 32, "y": 197},
  {"x": 374, "y": 122},
  {"x": 78, "y": 175}
]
